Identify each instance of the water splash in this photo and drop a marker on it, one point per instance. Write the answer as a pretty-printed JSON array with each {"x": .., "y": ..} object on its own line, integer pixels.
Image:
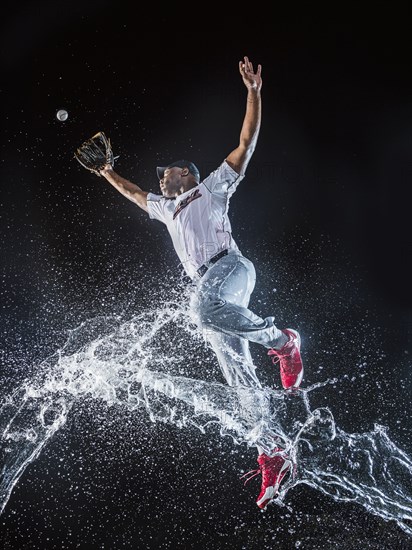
[{"x": 126, "y": 364}]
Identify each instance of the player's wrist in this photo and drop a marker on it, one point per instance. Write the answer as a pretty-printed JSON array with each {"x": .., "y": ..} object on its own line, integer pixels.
[
  {"x": 106, "y": 169},
  {"x": 253, "y": 95}
]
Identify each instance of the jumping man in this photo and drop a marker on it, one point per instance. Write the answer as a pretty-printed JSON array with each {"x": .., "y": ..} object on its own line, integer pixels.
[{"x": 195, "y": 212}]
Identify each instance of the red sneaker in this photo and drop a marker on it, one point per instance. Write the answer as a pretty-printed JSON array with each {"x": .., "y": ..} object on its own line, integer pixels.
[
  {"x": 291, "y": 367},
  {"x": 273, "y": 470}
]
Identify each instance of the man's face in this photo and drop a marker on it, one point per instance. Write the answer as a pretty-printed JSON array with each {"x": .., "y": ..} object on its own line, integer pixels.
[{"x": 171, "y": 182}]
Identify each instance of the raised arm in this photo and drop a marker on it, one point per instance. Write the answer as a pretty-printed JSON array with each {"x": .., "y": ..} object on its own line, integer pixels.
[
  {"x": 239, "y": 158},
  {"x": 130, "y": 190}
]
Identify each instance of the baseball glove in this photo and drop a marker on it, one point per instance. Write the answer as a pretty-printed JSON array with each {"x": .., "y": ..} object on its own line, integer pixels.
[{"x": 95, "y": 153}]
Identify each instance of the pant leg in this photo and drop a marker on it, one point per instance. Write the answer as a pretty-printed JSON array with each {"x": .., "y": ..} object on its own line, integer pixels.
[
  {"x": 219, "y": 305},
  {"x": 232, "y": 352},
  {"x": 234, "y": 358},
  {"x": 222, "y": 294}
]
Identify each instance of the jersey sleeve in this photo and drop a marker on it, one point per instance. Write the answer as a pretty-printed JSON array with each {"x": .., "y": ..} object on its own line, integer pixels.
[
  {"x": 156, "y": 207},
  {"x": 223, "y": 180}
]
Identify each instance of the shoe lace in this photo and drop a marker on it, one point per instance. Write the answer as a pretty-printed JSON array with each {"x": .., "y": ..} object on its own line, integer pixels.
[
  {"x": 262, "y": 469},
  {"x": 275, "y": 356},
  {"x": 251, "y": 474}
]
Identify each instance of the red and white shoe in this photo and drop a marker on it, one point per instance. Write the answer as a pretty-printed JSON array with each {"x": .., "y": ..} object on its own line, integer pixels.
[
  {"x": 273, "y": 470},
  {"x": 290, "y": 361}
]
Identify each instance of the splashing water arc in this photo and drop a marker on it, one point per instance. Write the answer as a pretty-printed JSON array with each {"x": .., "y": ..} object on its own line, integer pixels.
[{"x": 123, "y": 363}]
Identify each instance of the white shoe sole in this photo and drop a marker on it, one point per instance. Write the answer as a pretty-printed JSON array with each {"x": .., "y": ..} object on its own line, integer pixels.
[{"x": 273, "y": 490}]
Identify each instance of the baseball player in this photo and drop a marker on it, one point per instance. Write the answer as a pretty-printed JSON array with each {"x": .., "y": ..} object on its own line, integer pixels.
[{"x": 195, "y": 212}]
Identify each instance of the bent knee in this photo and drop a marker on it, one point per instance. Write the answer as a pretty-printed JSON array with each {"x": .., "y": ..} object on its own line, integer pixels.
[{"x": 209, "y": 308}]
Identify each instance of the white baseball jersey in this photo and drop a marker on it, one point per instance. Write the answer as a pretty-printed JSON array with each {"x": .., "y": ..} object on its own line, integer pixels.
[{"x": 198, "y": 220}]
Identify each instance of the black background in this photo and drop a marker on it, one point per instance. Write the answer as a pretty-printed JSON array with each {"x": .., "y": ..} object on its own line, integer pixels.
[{"x": 323, "y": 213}]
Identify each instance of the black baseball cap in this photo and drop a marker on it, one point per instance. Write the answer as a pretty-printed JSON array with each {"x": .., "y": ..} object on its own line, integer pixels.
[{"x": 193, "y": 169}]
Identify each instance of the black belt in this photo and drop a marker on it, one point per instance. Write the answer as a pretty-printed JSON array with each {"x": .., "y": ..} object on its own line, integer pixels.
[{"x": 203, "y": 268}]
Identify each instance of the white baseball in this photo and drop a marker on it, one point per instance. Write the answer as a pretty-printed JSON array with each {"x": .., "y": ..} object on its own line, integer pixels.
[{"x": 62, "y": 115}]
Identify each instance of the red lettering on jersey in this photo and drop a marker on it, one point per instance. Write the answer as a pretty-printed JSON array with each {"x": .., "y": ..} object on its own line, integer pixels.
[{"x": 195, "y": 195}]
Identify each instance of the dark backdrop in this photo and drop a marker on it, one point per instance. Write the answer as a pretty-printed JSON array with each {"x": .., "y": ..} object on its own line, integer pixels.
[{"x": 323, "y": 213}]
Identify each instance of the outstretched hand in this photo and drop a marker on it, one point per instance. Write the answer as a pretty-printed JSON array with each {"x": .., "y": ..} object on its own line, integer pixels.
[{"x": 251, "y": 79}]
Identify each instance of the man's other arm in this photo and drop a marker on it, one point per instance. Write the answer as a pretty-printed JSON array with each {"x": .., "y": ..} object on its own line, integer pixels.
[
  {"x": 239, "y": 158},
  {"x": 130, "y": 190}
]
